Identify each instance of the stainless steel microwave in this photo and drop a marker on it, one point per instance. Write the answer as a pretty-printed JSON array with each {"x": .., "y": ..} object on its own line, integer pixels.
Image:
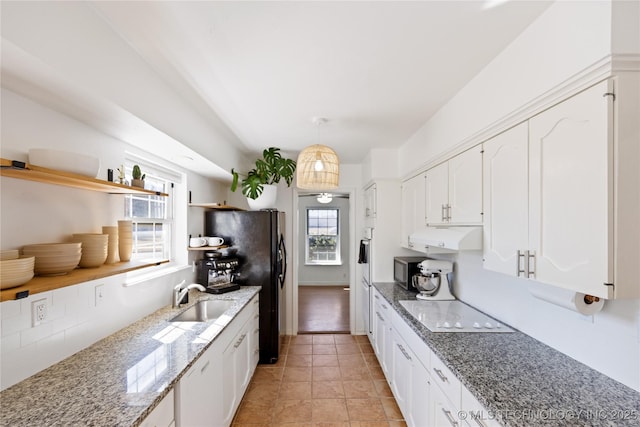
[{"x": 404, "y": 267}]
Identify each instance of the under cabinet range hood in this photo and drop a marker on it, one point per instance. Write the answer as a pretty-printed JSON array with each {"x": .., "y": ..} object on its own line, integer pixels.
[{"x": 451, "y": 238}]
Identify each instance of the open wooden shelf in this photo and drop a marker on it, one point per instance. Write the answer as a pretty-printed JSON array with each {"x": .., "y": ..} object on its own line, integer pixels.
[
  {"x": 215, "y": 206},
  {"x": 29, "y": 172},
  {"x": 48, "y": 283}
]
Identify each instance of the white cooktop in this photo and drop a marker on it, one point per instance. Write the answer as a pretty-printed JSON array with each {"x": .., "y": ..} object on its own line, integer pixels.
[{"x": 452, "y": 316}]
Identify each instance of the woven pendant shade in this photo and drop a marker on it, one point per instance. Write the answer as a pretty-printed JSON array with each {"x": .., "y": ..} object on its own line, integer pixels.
[{"x": 318, "y": 168}]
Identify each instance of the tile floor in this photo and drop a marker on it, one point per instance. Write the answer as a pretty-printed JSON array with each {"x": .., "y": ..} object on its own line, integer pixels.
[
  {"x": 323, "y": 309},
  {"x": 321, "y": 380}
]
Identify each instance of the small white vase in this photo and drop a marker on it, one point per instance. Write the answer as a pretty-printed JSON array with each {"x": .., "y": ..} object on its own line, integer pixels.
[{"x": 266, "y": 200}]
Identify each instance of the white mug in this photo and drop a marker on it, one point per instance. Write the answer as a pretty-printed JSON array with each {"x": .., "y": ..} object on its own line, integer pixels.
[
  {"x": 196, "y": 242},
  {"x": 215, "y": 241}
]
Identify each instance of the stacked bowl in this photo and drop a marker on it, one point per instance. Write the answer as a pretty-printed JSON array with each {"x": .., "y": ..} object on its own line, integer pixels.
[
  {"x": 52, "y": 259},
  {"x": 94, "y": 248},
  {"x": 15, "y": 270},
  {"x": 125, "y": 240}
]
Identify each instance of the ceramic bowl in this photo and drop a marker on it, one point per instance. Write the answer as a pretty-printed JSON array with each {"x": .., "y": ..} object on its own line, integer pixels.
[{"x": 16, "y": 272}]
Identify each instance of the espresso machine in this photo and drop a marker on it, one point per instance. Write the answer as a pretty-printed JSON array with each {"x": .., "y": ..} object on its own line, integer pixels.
[
  {"x": 433, "y": 280},
  {"x": 218, "y": 274}
]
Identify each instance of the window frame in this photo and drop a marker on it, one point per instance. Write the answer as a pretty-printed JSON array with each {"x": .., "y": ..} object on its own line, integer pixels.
[{"x": 338, "y": 251}]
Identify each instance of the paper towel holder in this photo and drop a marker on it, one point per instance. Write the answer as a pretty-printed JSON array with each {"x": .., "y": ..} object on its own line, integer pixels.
[{"x": 590, "y": 299}]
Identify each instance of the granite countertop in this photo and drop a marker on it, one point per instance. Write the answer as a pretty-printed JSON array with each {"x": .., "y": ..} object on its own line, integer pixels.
[
  {"x": 522, "y": 381},
  {"x": 120, "y": 379}
]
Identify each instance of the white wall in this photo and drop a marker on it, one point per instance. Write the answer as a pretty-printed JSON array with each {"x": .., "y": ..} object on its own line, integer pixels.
[
  {"x": 33, "y": 212},
  {"x": 568, "y": 38}
]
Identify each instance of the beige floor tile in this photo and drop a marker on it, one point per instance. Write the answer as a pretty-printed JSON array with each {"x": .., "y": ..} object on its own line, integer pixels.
[
  {"x": 325, "y": 373},
  {"x": 370, "y": 424},
  {"x": 292, "y": 410},
  {"x": 382, "y": 388},
  {"x": 299, "y": 360},
  {"x": 265, "y": 391},
  {"x": 327, "y": 390},
  {"x": 351, "y": 348},
  {"x": 391, "y": 408},
  {"x": 323, "y": 339},
  {"x": 294, "y": 374},
  {"x": 267, "y": 374},
  {"x": 295, "y": 390},
  {"x": 329, "y": 410},
  {"x": 366, "y": 347},
  {"x": 324, "y": 349},
  {"x": 355, "y": 373},
  {"x": 359, "y": 389},
  {"x": 254, "y": 411},
  {"x": 377, "y": 373},
  {"x": 371, "y": 359},
  {"x": 351, "y": 360},
  {"x": 344, "y": 339},
  {"x": 290, "y": 425},
  {"x": 235, "y": 424},
  {"x": 280, "y": 363},
  {"x": 332, "y": 424},
  {"x": 365, "y": 410},
  {"x": 361, "y": 338},
  {"x": 300, "y": 349},
  {"x": 325, "y": 360},
  {"x": 397, "y": 423},
  {"x": 301, "y": 339}
]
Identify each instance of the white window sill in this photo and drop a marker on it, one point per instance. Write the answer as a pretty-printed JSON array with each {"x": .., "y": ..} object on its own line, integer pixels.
[{"x": 137, "y": 277}]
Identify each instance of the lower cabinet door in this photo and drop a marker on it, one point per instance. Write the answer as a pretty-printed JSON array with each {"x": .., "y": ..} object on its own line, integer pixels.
[
  {"x": 196, "y": 403},
  {"x": 162, "y": 415},
  {"x": 445, "y": 414},
  {"x": 420, "y": 414},
  {"x": 401, "y": 367}
]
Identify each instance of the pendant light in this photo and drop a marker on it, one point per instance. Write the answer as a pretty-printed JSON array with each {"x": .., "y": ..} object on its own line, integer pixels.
[{"x": 318, "y": 166}]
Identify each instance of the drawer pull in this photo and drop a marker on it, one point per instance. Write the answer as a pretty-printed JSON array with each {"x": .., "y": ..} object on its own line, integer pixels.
[
  {"x": 404, "y": 352},
  {"x": 237, "y": 344},
  {"x": 442, "y": 376},
  {"x": 376, "y": 296},
  {"x": 384, "y": 306},
  {"x": 450, "y": 418},
  {"x": 206, "y": 365},
  {"x": 476, "y": 418},
  {"x": 379, "y": 316}
]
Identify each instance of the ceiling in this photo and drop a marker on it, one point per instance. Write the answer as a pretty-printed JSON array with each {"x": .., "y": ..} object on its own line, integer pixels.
[{"x": 376, "y": 70}]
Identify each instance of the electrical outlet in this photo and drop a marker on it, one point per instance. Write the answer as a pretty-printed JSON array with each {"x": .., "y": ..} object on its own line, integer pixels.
[
  {"x": 38, "y": 311},
  {"x": 99, "y": 289}
]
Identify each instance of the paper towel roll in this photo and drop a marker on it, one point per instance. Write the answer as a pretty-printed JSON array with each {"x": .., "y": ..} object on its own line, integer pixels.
[{"x": 574, "y": 301}]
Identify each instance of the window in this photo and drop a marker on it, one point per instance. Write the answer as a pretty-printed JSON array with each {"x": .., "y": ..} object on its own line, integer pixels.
[
  {"x": 323, "y": 237},
  {"x": 151, "y": 215}
]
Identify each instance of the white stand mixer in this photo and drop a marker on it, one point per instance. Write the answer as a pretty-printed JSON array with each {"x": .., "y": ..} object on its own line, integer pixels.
[{"x": 433, "y": 282}]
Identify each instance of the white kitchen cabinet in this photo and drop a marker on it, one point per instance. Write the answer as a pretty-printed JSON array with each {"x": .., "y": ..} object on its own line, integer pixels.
[
  {"x": 381, "y": 332},
  {"x": 551, "y": 210},
  {"x": 444, "y": 412},
  {"x": 370, "y": 204},
  {"x": 413, "y": 208},
  {"x": 197, "y": 400},
  {"x": 476, "y": 414},
  {"x": 570, "y": 193},
  {"x": 453, "y": 191},
  {"x": 210, "y": 391},
  {"x": 162, "y": 415},
  {"x": 506, "y": 199}
]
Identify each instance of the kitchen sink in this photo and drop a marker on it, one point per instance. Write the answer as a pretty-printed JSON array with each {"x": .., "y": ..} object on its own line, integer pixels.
[{"x": 204, "y": 311}]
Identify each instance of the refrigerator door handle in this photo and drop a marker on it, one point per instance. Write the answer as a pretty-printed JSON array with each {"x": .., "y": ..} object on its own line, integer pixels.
[{"x": 282, "y": 252}]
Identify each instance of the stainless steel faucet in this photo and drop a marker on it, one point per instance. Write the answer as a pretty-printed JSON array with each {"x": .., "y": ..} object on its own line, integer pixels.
[{"x": 179, "y": 292}]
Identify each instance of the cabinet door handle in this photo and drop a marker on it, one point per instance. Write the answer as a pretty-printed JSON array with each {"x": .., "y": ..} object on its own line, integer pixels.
[
  {"x": 448, "y": 212},
  {"x": 237, "y": 344},
  {"x": 404, "y": 352},
  {"x": 379, "y": 316},
  {"x": 531, "y": 264},
  {"x": 442, "y": 214},
  {"x": 384, "y": 306},
  {"x": 519, "y": 270},
  {"x": 376, "y": 296},
  {"x": 450, "y": 418},
  {"x": 442, "y": 376},
  {"x": 206, "y": 365}
]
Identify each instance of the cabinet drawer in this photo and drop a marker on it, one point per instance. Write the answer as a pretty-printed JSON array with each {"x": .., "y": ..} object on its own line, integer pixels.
[
  {"x": 444, "y": 378},
  {"x": 477, "y": 415},
  {"x": 415, "y": 343}
]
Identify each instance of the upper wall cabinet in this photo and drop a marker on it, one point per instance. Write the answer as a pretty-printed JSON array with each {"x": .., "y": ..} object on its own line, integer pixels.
[
  {"x": 370, "y": 205},
  {"x": 550, "y": 210},
  {"x": 412, "y": 205},
  {"x": 453, "y": 193}
]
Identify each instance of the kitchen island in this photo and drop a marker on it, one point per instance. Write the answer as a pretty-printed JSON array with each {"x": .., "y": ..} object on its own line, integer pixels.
[
  {"x": 120, "y": 379},
  {"x": 521, "y": 381}
]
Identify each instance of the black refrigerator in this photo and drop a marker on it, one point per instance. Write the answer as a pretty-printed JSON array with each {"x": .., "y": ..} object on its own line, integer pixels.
[{"x": 260, "y": 240}]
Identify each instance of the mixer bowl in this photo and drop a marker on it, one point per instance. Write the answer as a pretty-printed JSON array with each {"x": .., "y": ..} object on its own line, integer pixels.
[{"x": 427, "y": 285}]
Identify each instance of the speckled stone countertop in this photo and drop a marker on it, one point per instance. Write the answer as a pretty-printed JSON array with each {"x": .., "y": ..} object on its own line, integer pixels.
[
  {"x": 522, "y": 381},
  {"x": 120, "y": 379}
]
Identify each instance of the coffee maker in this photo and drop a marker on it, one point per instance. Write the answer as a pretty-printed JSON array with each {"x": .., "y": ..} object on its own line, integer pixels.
[
  {"x": 433, "y": 280},
  {"x": 217, "y": 275}
]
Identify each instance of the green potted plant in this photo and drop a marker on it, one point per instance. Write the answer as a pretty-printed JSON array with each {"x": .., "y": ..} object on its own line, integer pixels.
[
  {"x": 138, "y": 177},
  {"x": 258, "y": 186}
]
